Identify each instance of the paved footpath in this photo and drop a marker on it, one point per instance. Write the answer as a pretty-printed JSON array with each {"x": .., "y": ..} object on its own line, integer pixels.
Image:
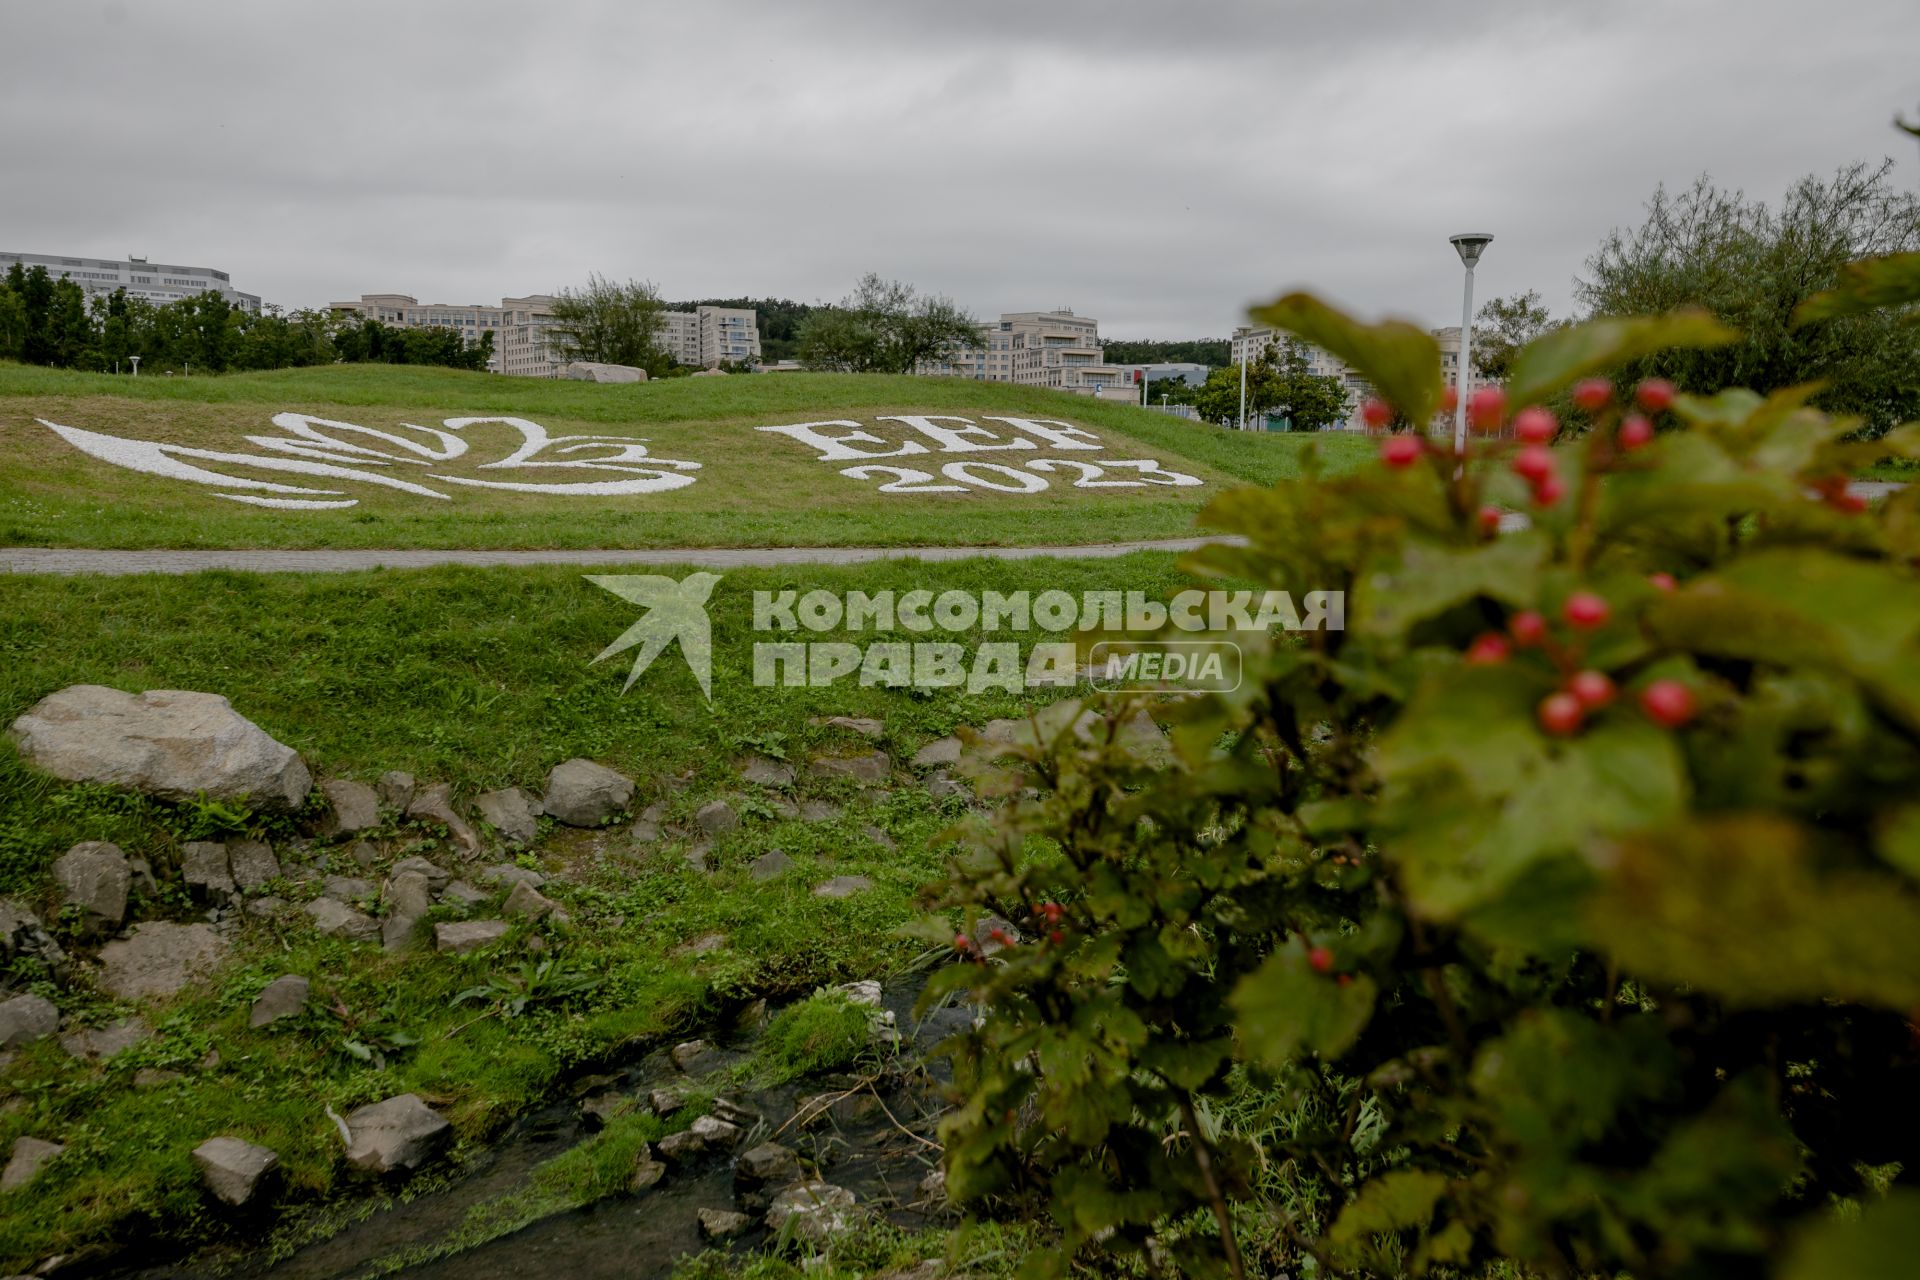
[{"x": 62, "y": 560}]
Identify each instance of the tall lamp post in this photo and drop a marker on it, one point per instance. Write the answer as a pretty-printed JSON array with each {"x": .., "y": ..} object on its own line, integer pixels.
[{"x": 1470, "y": 246}]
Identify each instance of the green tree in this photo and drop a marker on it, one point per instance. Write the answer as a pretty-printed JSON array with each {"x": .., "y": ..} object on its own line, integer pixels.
[
  {"x": 609, "y": 323},
  {"x": 1751, "y": 265},
  {"x": 13, "y": 314},
  {"x": 1278, "y": 381},
  {"x": 1208, "y": 351},
  {"x": 1504, "y": 326},
  {"x": 36, "y": 297},
  {"x": 885, "y": 326}
]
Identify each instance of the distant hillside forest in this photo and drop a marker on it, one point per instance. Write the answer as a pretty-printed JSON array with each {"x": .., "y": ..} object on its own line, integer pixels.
[{"x": 1208, "y": 351}]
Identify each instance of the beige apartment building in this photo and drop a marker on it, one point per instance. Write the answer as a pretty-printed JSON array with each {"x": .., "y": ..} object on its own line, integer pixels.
[
  {"x": 522, "y": 346},
  {"x": 1055, "y": 349}
]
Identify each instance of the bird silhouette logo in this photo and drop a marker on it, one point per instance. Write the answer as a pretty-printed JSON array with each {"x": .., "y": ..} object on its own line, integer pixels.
[{"x": 674, "y": 611}]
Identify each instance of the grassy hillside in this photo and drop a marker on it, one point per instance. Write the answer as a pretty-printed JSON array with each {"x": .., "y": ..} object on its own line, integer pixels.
[{"x": 751, "y": 488}]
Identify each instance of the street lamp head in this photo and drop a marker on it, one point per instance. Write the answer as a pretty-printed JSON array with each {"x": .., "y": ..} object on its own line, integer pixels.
[{"x": 1471, "y": 245}]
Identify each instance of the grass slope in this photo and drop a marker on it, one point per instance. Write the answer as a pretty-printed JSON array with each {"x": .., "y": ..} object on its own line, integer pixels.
[
  {"x": 754, "y": 489},
  {"x": 481, "y": 678}
]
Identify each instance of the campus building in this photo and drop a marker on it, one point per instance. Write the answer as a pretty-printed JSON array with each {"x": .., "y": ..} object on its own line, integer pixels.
[
  {"x": 522, "y": 346},
  {"x": 1054, "y": 349},
  {"x": 711, "y": 336},
  {"x": 157, "y": 282}
]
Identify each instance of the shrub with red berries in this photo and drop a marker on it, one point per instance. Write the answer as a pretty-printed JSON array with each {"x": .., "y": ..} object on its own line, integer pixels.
[{"x": 1549, "y": 919}]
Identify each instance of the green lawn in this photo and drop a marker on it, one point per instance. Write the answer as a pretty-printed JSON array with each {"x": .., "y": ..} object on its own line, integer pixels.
[
  {"x": 752, "y": 489},
  {"x": 481, "y": 678}
]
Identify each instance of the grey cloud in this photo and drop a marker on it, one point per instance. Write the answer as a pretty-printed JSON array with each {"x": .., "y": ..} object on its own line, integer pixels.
[{"x": 1158, "y": 166}]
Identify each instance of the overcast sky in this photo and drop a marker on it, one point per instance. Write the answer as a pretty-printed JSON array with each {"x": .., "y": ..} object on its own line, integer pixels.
[{"x": 1157, "y": 166}]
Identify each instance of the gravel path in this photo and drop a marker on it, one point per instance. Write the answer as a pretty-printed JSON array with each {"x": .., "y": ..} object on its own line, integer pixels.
[{"x": 62, "y": 560}]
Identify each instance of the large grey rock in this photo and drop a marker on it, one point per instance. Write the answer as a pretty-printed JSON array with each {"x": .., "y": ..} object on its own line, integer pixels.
[
  {"x": 347, "y": 889},
  {"x": 335, "y": 919},
  {"x": 437, "y": 876},
  {"x": 647, "y": 1171},
  {"x": 25, "y": 1160},
  {"x": 94, "y": 877},
  {"x": 158, "y": 959},
  {"x": 817, "y": 1211},
  {"x": 23, "y": 937},
  {"x": 284, "y": 997},
  {"x": 768, "y": 1164},
  {"x": 252, "y": 864},
  {"x": 716, "y": 818},
  {"x": 234, "y": 1170},
  {"x": 204, "y": 867},
  {"x": 594, "y": 371},
  {"x": 25, "y": 1019},
  {"x": 768, "y": 866},
  {"x": 395, "y": 789},
  {"x": 525, "y": 900},
  {"x": 352, "y": 807},
  {"x": 462, "y": 936},
  {"x": 708, "y": 1133},
  {"x": 722, "y": 1224},
  {"x": 511, "y": 812},
  {"x": 767, "y": 773},
  {"x": 170, "y": 743},
  {"x": 842, "y": 887},
  {"x": 506, "y": 873},
  {"x": 435, "y": 804},
  {"x": 581, "y": 793},
  {"x": 98, "y": 1044},
  {"x": 401, "y": 1133},
  {"x": 939, "y": 752},
  {"x": 409, "y": 898},
  {"x": 462, "y": 894},
  {"x": 867, "y": 768}
]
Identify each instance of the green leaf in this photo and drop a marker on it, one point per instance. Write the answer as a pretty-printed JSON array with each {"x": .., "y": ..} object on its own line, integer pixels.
[
  {"x": 1390, "y": 1202},
  {"x": 1564, "y": 356},
  {"x": 1899, "y": 842},
  {"x": 1739, "y": 907},
  {"x": 1867, "y": 285},
  {"x": 1432, "y": 580},
  {"x": 1400, "y": 360},
  {"x": 1286, "y": 1008},
  {"x": 1880, "y": 1244},
  {"x": 1558, "y": 1080}
]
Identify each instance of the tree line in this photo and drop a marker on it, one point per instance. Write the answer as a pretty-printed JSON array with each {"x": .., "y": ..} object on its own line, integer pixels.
[{"x": 48, "y": 321}]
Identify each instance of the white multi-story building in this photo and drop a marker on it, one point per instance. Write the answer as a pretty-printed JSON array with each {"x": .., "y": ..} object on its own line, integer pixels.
[
  {"x": 1055, "y": 349},
  {"x": 1249, "y": 343},
  {"x": 157, "y": 282},
  {"x": 711, "y": 336}
]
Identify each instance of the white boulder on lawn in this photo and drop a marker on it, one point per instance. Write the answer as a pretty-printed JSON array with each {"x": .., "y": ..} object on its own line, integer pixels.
[
  {"x": 171, "y": 743},
  {"x": 401, "y": 1133},
  {"x": 233, "y": 1169},
  {"x": 581, "y": 793},
  {"x": 158, "y": 959}
]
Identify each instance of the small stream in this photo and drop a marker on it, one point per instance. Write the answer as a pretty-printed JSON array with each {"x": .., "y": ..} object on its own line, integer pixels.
[{"x": 856, "y": 1145}]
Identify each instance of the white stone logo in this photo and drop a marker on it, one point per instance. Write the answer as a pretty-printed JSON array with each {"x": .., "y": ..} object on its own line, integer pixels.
[
  {"x": 674, "y": 611},
  {"x": 841, "y": 439},
  {"x": 345, "y": 451}
]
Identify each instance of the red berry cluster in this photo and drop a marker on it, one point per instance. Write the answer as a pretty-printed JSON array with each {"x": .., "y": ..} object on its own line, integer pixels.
[
  {"x": 1833, "y": 491},
  {"x": 1583, "y": 690},
  {"x": 1534, "y": 461}
]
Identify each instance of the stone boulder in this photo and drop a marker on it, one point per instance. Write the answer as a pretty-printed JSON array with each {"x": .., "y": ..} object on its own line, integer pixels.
[
  {"x": 157, "y": 959},
  {"x": 842, "y": 887},
  {"x": 335, "y": 919},
  {"x": 716, "y": 818},
  {"x": 252, "y": 864},
  {"x": 401, "y": 1133},
  {"x": 817, "y": 1211},
  {"x": 25, "y": 1019},
  {"x": 722, "y": 1224},
  {"x": 234, "y": 1170},
  {"x": 511, "y": 812},
  {"x": 435, "y": 804},
  {"x": 24, "y": 1161},
  {"x": 206, "y": 871},
  {"x": 463, "y": 936},
  {"x": 865, "y": 726},
  {"x": 170, "y": 743},
  {"x": 507, "y": 874},
  {"x": 395, "y": 789},
  {"x": 284, "y": 997},
  {"x": 352, "y": 807},
  {"x": 939, "y": 752},
  {"x": 409, "y": 898},
  {"x": 525, "y": 900},
  {"x": 865, "y": 769},
  {"x": 594, "y": 371},
  {"x": 98, "y": 1044},
  {"x": 581, "y": 793},
  {"x": 769, "y": 866},
  {"x": 437, "y": 876},
  {"x": 763, "y": 772},
  {"x": 767, "y": 1165},
  {"x": 23, "y": 937},
  {"x": 94, "y": 877}
]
